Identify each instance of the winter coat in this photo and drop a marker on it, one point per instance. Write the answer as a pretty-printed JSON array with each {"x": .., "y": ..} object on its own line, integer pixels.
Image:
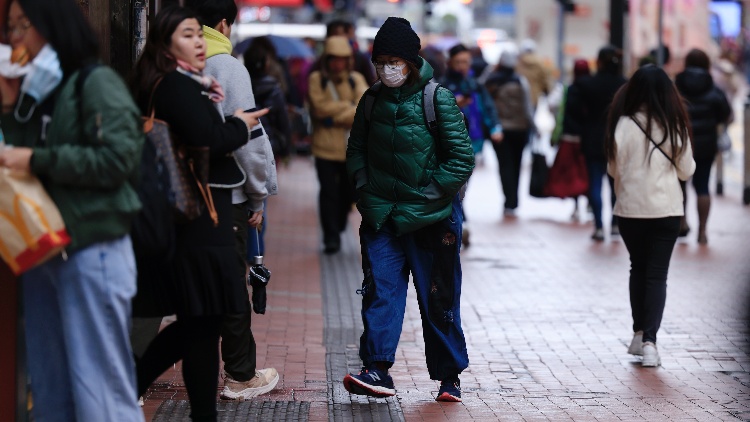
[
  {"x": 512, "y": 99},
  {"x": 532, "y": 68},
  {"x": 88, "y": 163},
  {"x": 333, "y": 112},
  {"x": 588, "y": 104},
  {"x": 255, "y": 158},
  {"x": 646, "y": 183},
  {"x": 708, "y": 108},
  {"x": 268, "y": 94},
  {"x": 485, "y": 107},
  {"x": 404, "y": 176}
]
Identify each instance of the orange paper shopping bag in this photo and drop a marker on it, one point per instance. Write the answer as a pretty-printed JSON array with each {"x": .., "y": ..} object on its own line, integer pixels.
[{"x": 31, "y": 228}]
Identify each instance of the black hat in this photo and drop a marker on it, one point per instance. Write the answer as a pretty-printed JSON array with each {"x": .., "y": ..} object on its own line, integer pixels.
[
  {"x": 396, "y": 38},
  {"x": 456, "y": 49}
]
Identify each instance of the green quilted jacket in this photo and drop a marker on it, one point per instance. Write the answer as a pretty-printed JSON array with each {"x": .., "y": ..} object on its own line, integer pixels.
[
  {"x": 401, "y": 172},
  {"x": 87, "y": 164}
]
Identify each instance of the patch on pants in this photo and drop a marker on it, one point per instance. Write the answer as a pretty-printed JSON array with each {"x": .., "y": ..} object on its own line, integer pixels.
[{"x": 442, "y": 241}]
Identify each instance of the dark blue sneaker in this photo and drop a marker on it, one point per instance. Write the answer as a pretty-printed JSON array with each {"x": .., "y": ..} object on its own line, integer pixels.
[
  {"x": 370, "y": 382},
  {"x": 450, "y": 390}
]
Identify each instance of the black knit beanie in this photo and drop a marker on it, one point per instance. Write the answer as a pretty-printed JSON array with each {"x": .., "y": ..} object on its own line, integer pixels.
[{"x": 396, "y": 38}]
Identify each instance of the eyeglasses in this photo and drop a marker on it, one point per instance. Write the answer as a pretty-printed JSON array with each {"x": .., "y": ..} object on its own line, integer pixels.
[
  {"x": 392, "y": 64},
  {"x": 20, "y": 29}
]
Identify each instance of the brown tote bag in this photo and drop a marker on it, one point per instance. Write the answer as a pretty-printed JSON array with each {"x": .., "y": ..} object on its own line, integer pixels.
[{"x": 187, "y": 167}]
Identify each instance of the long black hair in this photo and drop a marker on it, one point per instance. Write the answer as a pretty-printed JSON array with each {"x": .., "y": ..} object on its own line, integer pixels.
[
  {"x": 155, "y": 61},
  {"x": 651, "y": 92},
  {"x": 65, "y": 28}
]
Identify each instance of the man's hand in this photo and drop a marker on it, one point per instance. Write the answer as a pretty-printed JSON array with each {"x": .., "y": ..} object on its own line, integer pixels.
[
  {"x": 255, "y": 219},
  {"x": 497, "y": 137}
]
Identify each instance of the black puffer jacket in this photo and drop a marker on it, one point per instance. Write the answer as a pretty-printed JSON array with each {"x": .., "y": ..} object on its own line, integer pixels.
[
  {"x": 268, "y": 93},
  {"x": 588, "y": 105},
  {"x": 708, "y": 107}
]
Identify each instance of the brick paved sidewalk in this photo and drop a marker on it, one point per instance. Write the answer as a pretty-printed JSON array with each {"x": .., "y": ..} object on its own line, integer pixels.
[{"x": 545, "y": 312}]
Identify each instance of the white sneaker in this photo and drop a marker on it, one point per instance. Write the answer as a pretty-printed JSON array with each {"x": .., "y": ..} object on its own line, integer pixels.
[
  {"x": 636, "y": 345},
  {"x": 650, "y": 355},
  {"x": 264, "y": 381}
]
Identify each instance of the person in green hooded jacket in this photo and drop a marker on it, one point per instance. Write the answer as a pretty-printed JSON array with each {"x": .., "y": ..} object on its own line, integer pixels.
[{"x": 408, "y": 184}]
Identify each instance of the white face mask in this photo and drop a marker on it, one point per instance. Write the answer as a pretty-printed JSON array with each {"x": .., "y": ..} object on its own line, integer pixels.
[
  {"x": 392, "y": 76},
  {"x": 44, "y": 76}
]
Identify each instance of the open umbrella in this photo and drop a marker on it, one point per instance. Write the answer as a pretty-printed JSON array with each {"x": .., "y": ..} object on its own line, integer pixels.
[
  {"x": 286, "y": 47},
  {"x": 258, "y": 278}
]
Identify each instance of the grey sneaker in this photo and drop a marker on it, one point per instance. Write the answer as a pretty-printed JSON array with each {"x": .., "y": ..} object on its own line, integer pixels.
[
  {"x": 615, "y": 230},
  {"x": 650, "y": 355},
  {"x": 598, "y": 235},
  {"x": 636, "y": 345},
  {"x": 264, "y": 381}
]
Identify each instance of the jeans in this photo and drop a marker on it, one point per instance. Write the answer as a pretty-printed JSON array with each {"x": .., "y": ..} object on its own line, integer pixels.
[
  {"x": 255, "y": 244},
  {"x": 509, "y": 153},
  {"x": 650, "y": 243},
  {"x": 597, "y": 169},
  {"x": 432, "y": 256},
  {"x": 77, "y": 335}
]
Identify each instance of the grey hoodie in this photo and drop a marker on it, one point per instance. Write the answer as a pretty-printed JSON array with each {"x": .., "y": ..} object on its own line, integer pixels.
[{"x": 255, "y": 158}]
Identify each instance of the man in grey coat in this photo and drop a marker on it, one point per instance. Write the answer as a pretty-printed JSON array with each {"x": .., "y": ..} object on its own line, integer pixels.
[{"x": 242, "y": 378}]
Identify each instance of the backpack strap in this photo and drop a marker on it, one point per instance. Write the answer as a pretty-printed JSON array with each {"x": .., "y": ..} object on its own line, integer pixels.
[
  {"x": 430, "y": 116},
  {"x": 428, "y": 93},
  {"x": 83, "y": 74},
  {"x": 370, "y": 96}
]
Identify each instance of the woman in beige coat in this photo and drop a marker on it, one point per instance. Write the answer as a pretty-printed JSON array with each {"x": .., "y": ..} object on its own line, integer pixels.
[{"x": 334, "y": 93}]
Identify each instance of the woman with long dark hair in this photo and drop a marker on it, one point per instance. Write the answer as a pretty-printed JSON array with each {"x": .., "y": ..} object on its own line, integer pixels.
[
  {"x": 203, "y": 281},
  {"x": 77, "y": 129},
  {"x": 708, "y": 108},
  {"x": 649, "y": 152}
]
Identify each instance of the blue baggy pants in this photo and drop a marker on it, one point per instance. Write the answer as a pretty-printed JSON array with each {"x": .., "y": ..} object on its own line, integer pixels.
[{"x": 431, "y": 255}]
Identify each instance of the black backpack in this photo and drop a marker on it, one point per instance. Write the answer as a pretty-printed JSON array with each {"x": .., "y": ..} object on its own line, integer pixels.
[{"x": 153, "y": 229}]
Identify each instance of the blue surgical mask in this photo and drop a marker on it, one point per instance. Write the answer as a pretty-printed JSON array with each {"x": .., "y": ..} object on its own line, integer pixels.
[{"x": 43, "y": 78}]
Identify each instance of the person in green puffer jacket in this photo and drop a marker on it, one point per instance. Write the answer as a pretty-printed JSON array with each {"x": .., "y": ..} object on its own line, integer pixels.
[{"x": 408, "y": 183}]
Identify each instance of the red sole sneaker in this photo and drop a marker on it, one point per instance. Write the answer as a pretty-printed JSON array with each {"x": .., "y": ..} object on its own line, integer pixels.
[
  {"x": 354, "y": 386},
  {"x": 448, "y": 398}
]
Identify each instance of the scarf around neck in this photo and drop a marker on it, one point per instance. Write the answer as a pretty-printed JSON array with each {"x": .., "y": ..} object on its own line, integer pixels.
[
  {"x": 216, "y": 42},
  {"x": 211, "y": 85}
]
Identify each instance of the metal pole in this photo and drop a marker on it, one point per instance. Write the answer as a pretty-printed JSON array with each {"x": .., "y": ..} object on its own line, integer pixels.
[
  {"x": 560, "y": 41},
  {"x": 140, "y": 27},
  {"x": 616, "y": 22},
  {"x": 660, "y": 47}
]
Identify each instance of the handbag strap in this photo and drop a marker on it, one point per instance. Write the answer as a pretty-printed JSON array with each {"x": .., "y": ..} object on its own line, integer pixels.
[
  {"x": 206, "y": 194},
  {"x": 648, "y": 135},
  {"x": 149, "y": 123}
]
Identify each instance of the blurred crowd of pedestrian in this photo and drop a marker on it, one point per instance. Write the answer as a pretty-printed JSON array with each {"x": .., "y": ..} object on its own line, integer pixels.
[{"x": 384, "y": 136}]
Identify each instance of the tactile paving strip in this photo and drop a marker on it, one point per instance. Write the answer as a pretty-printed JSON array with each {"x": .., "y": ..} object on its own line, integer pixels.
[
  {"x": 341, "y": 276},
  {"x": 245, "y": 411}
]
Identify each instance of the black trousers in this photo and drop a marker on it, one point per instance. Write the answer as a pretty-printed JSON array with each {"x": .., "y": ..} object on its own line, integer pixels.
[
  {"x": 195, "y": 341},
  {"x": 335, "y": 199},
  {"x": 650, "y": 243},
  {"x": 509, "y": 153},
  {"x": 238, "y": 348}
]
